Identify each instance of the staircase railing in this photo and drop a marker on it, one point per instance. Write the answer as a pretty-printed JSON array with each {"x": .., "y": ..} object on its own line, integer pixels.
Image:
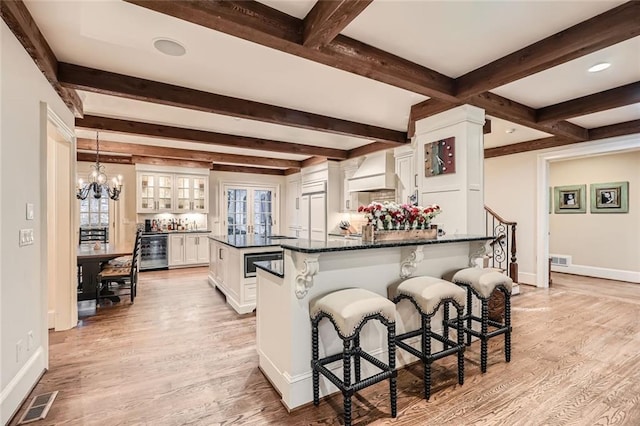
[{"x": 504, "y": 244}]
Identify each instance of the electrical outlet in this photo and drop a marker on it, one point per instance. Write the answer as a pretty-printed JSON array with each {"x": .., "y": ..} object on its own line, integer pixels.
[
  {"x": 19, "y": 350},
  {"x": 29, "y": 340}
]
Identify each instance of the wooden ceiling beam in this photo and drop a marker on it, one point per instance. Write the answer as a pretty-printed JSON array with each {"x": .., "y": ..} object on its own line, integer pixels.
[
  {"x": 328, "y": 18},
  {"x": 245, "y": 169},
  {"x": 613, "y": 98},
  {"x": 533, "y": 145},
  {"x": 509, "y": 110},
  {"x": 312, "y": 161},
  {"x": 157, "y": 161},
  {"x": 609, "y": 28},
  {"x": 261, "y": 24},
  {"x": 108, "y": 83},
  {"x": 291, "y": 171},
  {"x": 613, "y": 130},
  {"x": 202, "y": 136},
  {"x": 104, "y": 158},
  {"x": 19, "y": 20},
  {"x": 368, "y": 149},
  {"x": 183, "y": 154}
]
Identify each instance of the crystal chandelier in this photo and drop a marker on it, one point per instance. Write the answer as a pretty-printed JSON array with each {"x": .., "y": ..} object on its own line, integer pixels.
[{"x": 98, "y": 181}]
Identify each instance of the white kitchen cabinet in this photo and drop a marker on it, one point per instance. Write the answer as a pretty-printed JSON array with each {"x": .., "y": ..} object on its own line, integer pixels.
[
  {"x": 192, "y": 194},
  {"x": 176, "y": 250},
  {"x": 351, "y": 200},
  {"x": 304, "y": 217},
  {"x": 405, "y": 170},
  {"x": 318, "y": 216},
  {"x": 294, "y": 190},
  {"x": 155, "y": 192},
  {"x": 188, "y": 249}
]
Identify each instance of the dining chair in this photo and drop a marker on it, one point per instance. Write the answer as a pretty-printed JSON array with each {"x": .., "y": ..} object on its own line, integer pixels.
[{"x": 125, "y": 276}]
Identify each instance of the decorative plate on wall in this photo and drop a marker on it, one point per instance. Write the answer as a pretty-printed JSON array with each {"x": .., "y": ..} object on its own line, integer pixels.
[{"x": 440, "y": 157}]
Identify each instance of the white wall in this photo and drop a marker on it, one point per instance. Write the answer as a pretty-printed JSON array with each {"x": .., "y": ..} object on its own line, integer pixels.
[
  {"x": 610, "y": 241},
  {"x": 216, "y": 200},
  {"x": 22, "y": 292},
  {"x": 511, "y": 191}
]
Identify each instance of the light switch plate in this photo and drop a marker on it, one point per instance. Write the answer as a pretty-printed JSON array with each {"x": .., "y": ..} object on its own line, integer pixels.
[
  {"x": 26, "y": 237},
  {"x": 30, "y": 214}
]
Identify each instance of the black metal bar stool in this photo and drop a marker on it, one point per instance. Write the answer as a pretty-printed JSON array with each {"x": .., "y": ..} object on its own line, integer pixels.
[
  {"x": 428, "y": 294},
  {"x": 481, "y": 283},
  {"x": 349, "y": 310}
]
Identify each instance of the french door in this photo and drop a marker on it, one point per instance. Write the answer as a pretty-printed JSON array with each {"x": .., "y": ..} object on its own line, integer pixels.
[{"x": 250, "y": 209}]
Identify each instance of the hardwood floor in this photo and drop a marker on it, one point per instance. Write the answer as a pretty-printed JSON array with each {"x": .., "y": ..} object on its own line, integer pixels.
[{"x": 181, "y": 356}]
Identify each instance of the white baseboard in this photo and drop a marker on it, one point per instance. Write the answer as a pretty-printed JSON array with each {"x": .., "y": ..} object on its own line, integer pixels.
[
  {"x": 526, "y": 278},
  {"x": 18, "y": 389},
  {"x": 594, "y": 271},
  {"x": 51, "y": 319}
]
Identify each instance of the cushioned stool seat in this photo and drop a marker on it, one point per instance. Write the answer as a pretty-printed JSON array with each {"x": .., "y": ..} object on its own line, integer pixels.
[
  {"x": 428, "y": 294},
  {"x": 348, "y": 310},
  {"x": 482, "y": 282}
]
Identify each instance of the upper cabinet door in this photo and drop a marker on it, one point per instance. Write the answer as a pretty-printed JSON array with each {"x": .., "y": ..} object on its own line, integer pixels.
[
  {"x": 200, "y": 194},
  {"x": 155, "y": 192},
  {"x": 183, "y": 193}
]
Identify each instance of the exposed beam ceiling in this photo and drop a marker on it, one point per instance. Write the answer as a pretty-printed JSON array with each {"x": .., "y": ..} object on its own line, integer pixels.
[
  {"x": 202, "y": 136},
  {"x": 613, "y": 130},
  {"x": 269, "y": 27},
  {"x": 613, "y": 26},
  {"x": 137, "y": 159},
  {"x": 104, "y": 158},
  {"x": 312, "y": 161},
  {"x": 22, "y": 25},
  {"x": 184, "y": 154},
  {"x": 103, "y": 82},
  {"x": 613, "y": 98},
  {"x": 328, "y": 18},
  {"x": 533, "y": 145},
  {"x": 245, "y": 169}
]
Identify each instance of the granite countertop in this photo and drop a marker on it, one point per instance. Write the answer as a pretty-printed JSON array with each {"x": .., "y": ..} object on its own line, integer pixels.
[
  {"x": 251, "y": 240},
  {"x": 184, "y": 231},
  {"x": 275, "y": 267},
  {"x": 306, "y": 246}
]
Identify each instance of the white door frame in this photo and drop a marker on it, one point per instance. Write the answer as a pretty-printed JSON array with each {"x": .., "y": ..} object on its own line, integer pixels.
[
  {"x": 605, "y": 146},
  {"x": 47, "y": 115}
]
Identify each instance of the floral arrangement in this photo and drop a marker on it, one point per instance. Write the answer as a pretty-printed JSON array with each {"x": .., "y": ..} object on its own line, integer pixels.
[{"x": 390, "y": 216}]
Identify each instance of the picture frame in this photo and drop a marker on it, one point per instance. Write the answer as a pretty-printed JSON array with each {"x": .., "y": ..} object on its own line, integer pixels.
[
  {"x": 570, "y": 199},
  {"x": 610, "y": 197}
]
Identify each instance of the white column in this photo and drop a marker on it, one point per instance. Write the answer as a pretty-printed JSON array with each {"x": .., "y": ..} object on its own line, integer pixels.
[{"x": 459, "y": 194}]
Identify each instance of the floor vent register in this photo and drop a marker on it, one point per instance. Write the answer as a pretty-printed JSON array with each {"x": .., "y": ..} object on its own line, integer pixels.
[{"x": 39, "y": 407}]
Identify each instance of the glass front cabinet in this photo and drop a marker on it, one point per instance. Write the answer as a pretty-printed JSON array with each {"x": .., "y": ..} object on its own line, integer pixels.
[{"x": 166, "y": 192}]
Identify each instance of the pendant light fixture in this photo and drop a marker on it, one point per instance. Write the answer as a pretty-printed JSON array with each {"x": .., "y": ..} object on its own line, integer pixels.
[{"x": 98, "y": 181}]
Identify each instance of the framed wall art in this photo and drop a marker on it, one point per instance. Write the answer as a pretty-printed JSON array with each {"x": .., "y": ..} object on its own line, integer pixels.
[
  {"x": 610, "y": 197},
  {"x": 440, "y": 157},
  {"x": 570, "y": 199}
]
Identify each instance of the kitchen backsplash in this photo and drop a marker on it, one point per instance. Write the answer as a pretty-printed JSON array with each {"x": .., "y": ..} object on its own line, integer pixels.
[{"x": 187, "y": 221}]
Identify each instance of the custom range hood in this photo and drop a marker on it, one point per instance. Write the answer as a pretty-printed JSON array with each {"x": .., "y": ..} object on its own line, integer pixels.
[{"x": 376, "y": 173}]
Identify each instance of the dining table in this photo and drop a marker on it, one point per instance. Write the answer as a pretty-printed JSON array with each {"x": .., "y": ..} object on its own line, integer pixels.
[{"x": 90, "y": 258}]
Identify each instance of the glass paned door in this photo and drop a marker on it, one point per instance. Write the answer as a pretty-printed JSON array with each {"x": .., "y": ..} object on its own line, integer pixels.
[
  {"x": 199, "y": 196},
  {"x": 237, "y": 204},
  {"x": 184, "y": 193},
  {"x": 148, "y": 191},
  {"x": 262, "y": 211},
  {"x": 165, "y": 192},
  {"x": 250, "y": 210}
]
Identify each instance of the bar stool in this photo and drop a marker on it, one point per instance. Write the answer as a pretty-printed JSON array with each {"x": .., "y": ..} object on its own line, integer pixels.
[
  {"x": 481, "y": 283},
  {"x": 348, "y": 310},
  {"x": 427, "y": 294}
]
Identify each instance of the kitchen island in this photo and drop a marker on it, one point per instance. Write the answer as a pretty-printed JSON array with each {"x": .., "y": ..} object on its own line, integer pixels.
[
  {"x": 232, "y": 268},
  {"x": 313, "y": 268}
]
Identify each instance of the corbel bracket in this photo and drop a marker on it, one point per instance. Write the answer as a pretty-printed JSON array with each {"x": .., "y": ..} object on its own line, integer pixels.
[
  {"x": 408, "y": 265},
  {"x": 304, "y": 280}
]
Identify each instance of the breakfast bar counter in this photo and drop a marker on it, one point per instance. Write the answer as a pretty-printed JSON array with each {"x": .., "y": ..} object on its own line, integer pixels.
[{"x": 313, "y": 268}]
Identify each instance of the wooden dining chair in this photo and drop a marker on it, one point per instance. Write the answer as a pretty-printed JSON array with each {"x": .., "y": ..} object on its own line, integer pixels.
[
  {"x": 124, "y": 277},
  {"x": 88, "y": 235}
]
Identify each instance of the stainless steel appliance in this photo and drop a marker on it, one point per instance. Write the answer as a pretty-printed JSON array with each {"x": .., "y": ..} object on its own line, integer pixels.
[
  {"x": 251, "y": 258},
  {"x": 154, "y": 252}
]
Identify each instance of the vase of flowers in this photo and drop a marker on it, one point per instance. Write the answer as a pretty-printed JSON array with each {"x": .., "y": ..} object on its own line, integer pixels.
[{"x": 392, "y": 221}]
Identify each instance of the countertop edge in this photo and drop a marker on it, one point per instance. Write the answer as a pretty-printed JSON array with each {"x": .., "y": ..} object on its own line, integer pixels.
[
  {"x": 385, "y": 244},
  {"x": 242, "y": 246},
  {"x": 269, "y": 270}
]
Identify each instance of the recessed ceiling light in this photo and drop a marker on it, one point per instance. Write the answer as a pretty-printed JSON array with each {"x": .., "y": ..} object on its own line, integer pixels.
[
  {"x": 511, "y": 130},
  {"x": 600, "y": 66},
  {"x": 169, "y": 47}
]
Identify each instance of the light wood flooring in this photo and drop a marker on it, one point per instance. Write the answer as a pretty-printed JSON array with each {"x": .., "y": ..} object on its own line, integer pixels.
[{"x": 181, "y": 356}]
